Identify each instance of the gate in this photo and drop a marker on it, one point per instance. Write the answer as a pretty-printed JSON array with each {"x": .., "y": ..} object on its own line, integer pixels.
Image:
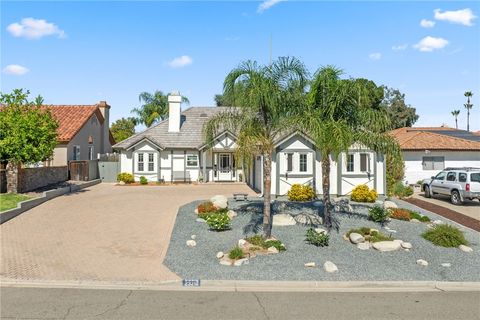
[
  {"x": 78, "y": 170},
  {"x": 109, "y": 167}
]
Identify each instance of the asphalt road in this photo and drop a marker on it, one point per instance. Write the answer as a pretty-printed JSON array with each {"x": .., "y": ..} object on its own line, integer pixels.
[{"x": 49, "y": 303}]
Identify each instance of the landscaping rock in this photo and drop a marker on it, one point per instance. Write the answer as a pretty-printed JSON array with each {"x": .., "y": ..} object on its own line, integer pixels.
[
  {"x": 318, "y": 204},
  {"x": 406, "y": 245},
  {"x": 342, "y": 204},
  {"x": 200, "y": 220},
  {"x": 446, "y": 265},
  {"x": 308, "y": 218},
  {"x": 272, "y": 250},
  {"x": 191, "y": 243},
  {"x": 239, "y": 262},
  {"x": 390, "y": 205},
  {"x": 386, "y": 245},
  {"x": 219, "y": 201},
  {"x": 283, "y": 219},
  {"x": 196, "y": 210},
  {"x": 242, "y": 242},
  {"x": 330, "y": 267},
  {"x": 438, "y": 222},
  {"x": 121, "y": 183},
  {"x": 363, "y": 245},
  {"x": 465, "y": 248},
  {"x": 321, "y": 231},
  {"x": 422, "y": 262},
  {"x": 220, "y": 255},
  {"x": 414, "y": 220},
  {"x": 231, "y": 214},
  {"x": 374, "y": 230},
  {"x": 225, "y": 262},
  {"x": 356, "y": 238},
  {"x": 310, "y": 264},
  {"x": 392, "y": 231},
  {"x": 193, "y": 237}
]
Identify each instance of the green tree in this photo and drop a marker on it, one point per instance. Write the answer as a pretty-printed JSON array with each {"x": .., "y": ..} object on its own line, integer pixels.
[
  {"x": 401, "y": 115},
  {"x": 123, "y": 128},
  {"x": 455, "y": 114},
  {"x": 340, "y": 113},
  {"x": 236, "y": 97},
  {"x": 264, "y": 113},
  {"x": 153, "y": 109},
  {"x": 468, "y": 106},
  {"x": 28, "y": 132}
]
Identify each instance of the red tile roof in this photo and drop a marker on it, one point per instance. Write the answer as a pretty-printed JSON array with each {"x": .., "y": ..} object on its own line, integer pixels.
[{"x": 422, "y": 138}]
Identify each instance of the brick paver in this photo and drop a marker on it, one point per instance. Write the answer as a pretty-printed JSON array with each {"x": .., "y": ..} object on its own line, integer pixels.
[{"x": 105, "y": 232}]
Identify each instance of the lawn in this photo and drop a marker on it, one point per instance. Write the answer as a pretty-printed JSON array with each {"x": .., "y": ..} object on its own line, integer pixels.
[{"x": 10, "y": 200}]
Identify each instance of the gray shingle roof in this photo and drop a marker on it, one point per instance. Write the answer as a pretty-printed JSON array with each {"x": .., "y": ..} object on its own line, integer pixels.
[{"x": 191, "y": 130}]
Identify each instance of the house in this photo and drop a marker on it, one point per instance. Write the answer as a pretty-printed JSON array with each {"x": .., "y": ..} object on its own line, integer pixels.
[
  {"x": 175, "y": 150},
  {"x": 428, "y": 150},
  {"x": 83, "y": 132}
]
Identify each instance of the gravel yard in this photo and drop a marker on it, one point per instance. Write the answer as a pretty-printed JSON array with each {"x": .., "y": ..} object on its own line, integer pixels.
[{"x": 200, "y": 262}]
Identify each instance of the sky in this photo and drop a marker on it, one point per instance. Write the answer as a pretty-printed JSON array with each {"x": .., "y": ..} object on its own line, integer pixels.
[{"x": 83, "y": 52}]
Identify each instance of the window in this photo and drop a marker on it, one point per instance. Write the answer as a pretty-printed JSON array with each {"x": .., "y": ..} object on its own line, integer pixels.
[
  {"x": 451, "y": 176},
  {"x": 192, "y": 160},
  {"x": 90, "y": 153},
  {"x": 76, "y": 152},
  {"x": 303, "y": 162},
  {"x": 364, "y": 162},
  {"x": 350, "y": 162},
  {"x": 433, "y": 163},
  {"x": 440, "y": 176},
  {"x": 150, "y": 162},
  {"x": 475, "y": 177},
  {"x": 289, "y": 162},
  {"x": 462, "y": 177},
  {"x": 140, "y": 162}
]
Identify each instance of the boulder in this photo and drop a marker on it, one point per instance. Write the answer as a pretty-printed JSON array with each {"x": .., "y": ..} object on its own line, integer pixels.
[
  {"x": 225, "y": 262},
  {"x": 191, "y": 243},
  {"x": 310, "y": 264},
  {"x": 308, "y": 219},
  {"x": 356, "y": 238},
  {"x": 219, "y": 201},
  {"x": 240, "y": 262},
  {"x": 438, "y": 222},
  {"x": 200, "y": 220},
  {"x": 406, "y": 245},
  {"x": 320, "y": 230},
  {"x": 422, "y": 262},
  {"x": 231, "y": 214},
  {"x": 283, "y": 219},
  {"x": 196, "y": 210},
  {"x": 446, "y": 265},
  {"x": 121, "y": 183},
  {"x": 330, "y": 267},
  {"x": 220, "y": 255},
  {"x": 465, "y": 248},
  {"x": 386, "y": 245},
  {"x": 374, "y": 230},
  {"x": 390, "y": 205},
  {"x": 414, "y": 220},
  {"x": 363, "y": 245},
  {"x": 342, "y": 205},
  {"x": 272, "y": 250},
  {"x": 242, "y": 242},
  {"x": 193, "y": 237}
]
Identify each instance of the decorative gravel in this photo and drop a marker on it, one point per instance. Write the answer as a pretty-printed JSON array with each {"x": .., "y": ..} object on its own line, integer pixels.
[{"x": 200, "y": 262}]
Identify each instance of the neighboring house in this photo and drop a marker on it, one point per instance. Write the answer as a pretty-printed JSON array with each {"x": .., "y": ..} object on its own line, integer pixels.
[
  {"x": 83, "y": 132},
  {"x": 175, "y": 150},
  {"x": 427, "y": 151}
]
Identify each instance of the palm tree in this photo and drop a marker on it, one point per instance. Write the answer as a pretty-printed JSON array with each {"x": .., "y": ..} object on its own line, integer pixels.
[
  {"x": 341, "y": 113},
  {"x": 154, "y": 108},
  {"x": 468, "y": 106},
  {"x": 265, "y": 111},
  {"x": 455, "y": 113}
]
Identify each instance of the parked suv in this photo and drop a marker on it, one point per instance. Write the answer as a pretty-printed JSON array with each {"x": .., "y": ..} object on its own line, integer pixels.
[{"x": 458, "y": 183}]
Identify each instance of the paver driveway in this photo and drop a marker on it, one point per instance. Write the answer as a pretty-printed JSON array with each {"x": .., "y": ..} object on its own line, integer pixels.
[{"x": 105, "y": 232}]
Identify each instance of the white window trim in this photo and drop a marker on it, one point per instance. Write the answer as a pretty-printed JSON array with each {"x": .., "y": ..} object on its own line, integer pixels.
[
  {"x": 300, "y": 154},
  {"x": 368, "y": 161},
  {"x": 346, "y": 163},
  {"x": 145, "y": 161},
  {"x": 197, "y": 160}
]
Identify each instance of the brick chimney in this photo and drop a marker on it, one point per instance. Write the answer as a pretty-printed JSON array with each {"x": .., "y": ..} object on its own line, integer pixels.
[{"x": 174, "y": 102}]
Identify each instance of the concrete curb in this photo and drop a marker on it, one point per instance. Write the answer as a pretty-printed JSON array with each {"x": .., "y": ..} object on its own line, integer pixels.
[
  {"x": 47, "y": 195},
  {"x": 255, "y": 286}
]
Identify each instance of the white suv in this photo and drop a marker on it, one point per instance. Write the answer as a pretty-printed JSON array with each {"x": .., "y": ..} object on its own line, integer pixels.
[{"x": 458, "y": 183}]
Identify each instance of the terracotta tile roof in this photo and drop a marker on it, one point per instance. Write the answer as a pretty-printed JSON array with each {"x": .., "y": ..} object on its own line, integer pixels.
[{"x": 427, "y": 139}]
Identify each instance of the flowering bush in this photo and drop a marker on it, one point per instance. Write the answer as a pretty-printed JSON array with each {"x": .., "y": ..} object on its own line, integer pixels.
[
  {"x": 206, "y": 207},
  {"x": 218, "y": 221},
  {"x": 362, "y": 193},
  {"x": 400, "y": 214},
  {"x": 125, "y": 177},
  {"x": 300, "y": 192}
]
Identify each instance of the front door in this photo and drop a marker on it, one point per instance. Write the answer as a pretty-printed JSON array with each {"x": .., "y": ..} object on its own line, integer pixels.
[{"x": 225, "y": 167}]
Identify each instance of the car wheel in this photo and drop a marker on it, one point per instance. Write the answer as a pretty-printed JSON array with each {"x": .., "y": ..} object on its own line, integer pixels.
[
  {"x": 455, "y": 198},
  {"x": 428, "y": 194}
]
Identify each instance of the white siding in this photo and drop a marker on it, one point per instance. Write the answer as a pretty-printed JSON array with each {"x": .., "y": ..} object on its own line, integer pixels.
[{"x": 145, "y": 148}]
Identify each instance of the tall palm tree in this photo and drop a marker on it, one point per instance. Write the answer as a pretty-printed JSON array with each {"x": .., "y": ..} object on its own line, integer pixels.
[
  {"x": 468, "y": 106},
  {"x": 341, "y": 113},
  {"x": 271, "y": 94},
  {"x": 154, "y": 107},
  {"x": 455, "y": 114}
]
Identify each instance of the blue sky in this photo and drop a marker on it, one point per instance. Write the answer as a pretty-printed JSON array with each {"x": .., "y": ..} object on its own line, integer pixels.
[{"x": 89, "y": 51}]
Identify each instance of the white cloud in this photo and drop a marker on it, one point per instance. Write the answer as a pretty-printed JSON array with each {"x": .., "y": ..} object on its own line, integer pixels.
[
  {"x": 429, "y": 44},
  {"x": 31, "y": 28},
  {"x": 400, "y": 47},
  {"x": 375, "y": 56},
  {"x": 15, "y": 69},
  {"x": 427, "y": 23},
  {"x": 267, "y": 4},
  {"x": 464, "y": 16},
  {"x": 180, "y": 62}
]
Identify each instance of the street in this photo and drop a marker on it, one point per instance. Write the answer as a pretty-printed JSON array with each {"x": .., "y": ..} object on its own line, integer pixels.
[{"x": 58, "y": 303}]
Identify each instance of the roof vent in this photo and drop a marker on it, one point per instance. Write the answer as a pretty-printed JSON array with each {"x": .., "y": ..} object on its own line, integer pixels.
[{"x": 203, "y": 115}]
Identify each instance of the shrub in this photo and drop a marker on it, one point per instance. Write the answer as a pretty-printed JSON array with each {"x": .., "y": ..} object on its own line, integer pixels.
[
  {"x": 125, "y": 177},
  {"x": 236, "y": 253},
  {"x": 418, "y": 216},
  {"x": 369, "y": 235},
  {"x": 402, "y": 191},
  {"x": 206, "y": 207},
  {"x": 258, "y": 241},
  {"x": 143, "y": 180},
  {"x": 400, "y": 214},
  {"x": 378, "y": 214},
  {"x": 317, "y": 239},
  {"x": 275, "y": 243},
  {"x": 362, "y": 193},
  {"x": 445, "y": 235},
  {"x": 218, "y": 221},
  {"x": 300, "y": 192}
]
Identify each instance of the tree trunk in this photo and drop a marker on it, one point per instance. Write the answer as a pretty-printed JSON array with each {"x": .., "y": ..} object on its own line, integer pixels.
[
  {"x": 326, "y": 190},
  {"x": 267, "y": 187},
  {"x": 468, "y": 119},
  {"x": 12, "y": 177},
  {"x": 456, "y": 123}
]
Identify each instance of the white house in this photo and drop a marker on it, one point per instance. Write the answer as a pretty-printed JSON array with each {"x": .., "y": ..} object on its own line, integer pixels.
[
  {"x": 175, "y": 150},
  {"x": 427, "y": 151}
]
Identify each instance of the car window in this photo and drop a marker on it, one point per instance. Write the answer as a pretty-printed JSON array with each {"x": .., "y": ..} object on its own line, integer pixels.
[
  {"x": 440, "y": 176},
  {"x": 462, "y": 177},
  {"x": 475, "y": 177},
  {"x": 451, "y": 176}
]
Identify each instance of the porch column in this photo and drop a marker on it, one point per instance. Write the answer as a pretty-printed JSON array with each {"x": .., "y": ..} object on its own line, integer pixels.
[{"x": 204, "y": 165}]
